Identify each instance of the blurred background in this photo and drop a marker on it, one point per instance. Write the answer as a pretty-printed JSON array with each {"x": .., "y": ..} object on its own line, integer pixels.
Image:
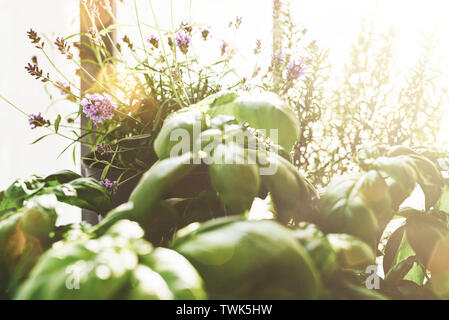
[{"x": 334, "y": 25}]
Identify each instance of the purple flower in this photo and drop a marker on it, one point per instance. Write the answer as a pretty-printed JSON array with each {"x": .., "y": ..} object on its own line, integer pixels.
[
  {"x": 177, "y": 76},
  {"x": 92, "y": 32},
  {"x": 277, "y": 59},
  {"x": 256, "y": 72},
  {"x": 104, "y": 149},
  {"x": 227, "y": 50},
  {"x": 223, "y": 48},
  {"x": 112, "y": 186},
  {"x": 170, "y": 43},
  {"x": 153, "y": 41},
  {"x": 63, "y": 47},
  {"x": 91, "y": 5},
  {"x": 98, "y": 107},
  {"x": 258, "y": 46},
  {"x": 64, "y": 88},
  {"x": 238, "y": 22},
  {"x": 36, "y": 120},
  {"x": 276, "y": 8},
  {"x": 183, "y": 41},
  {"x": 295, "y": 69},
  {"x": 187, "y": 26},
  {"x": 205, "y": 33}
]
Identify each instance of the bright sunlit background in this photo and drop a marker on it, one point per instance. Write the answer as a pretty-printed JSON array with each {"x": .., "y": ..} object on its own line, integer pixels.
[
  {"x": 334, "y": 24},
  {"x": 337, "y": 24}
]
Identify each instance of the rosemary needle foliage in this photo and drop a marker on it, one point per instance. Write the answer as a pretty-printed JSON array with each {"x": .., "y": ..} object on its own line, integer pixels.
[
  {"x": 370, "y": 100},
  {"x": 374, "y": 103}
]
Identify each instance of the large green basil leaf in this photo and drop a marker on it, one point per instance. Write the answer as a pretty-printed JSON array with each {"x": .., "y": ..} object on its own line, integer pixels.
[
  {"x": 205, "y": 206},
  {"x": 291, "y": 193},
  {"x": 182, "y": 279},
  {"x": 408, "y": 169},
  {"x": 344, "y": 208},
  {"x": 20, "y": 190},
  {"x": 118, "y": 265},
  {"x": 264, "y": 111},
  {"x": 179, "y": 128},
  {"x": 351, "y": 252},
  {"x": 157, "y": 181},
  {"x": 84, "y": 193},
  {"x": 429, "y": 238},
  {"x": 60, "y": 177},
  {"x": 236, "y": 257},
  {"x": 319, "y": 249},
  {"x": 235, "y": 179}
]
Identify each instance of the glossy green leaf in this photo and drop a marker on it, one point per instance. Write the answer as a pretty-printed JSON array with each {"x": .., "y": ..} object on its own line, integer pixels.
[
  {"x": 39, "y": 216},
  {"x": 429, "y": 238},
  {"x": 157, "y": 181},
  {"x": 351, "y": 252},
  {"x": 376, "y": 194},
  {"x": 24, "y": 188},
  {"x": 119, "y": 265},
  {"x": 319, "y": 249},
  {"x": 84, "y": 193},
  {"x": 60, "y": 177},
  {"x": 291, "y": 193},
  {"x": 443, "y": 203},
  {"x": 262, "y": 111},
  {"x": 180, "y": 128},
  {"x": 397, "y": 251},
  {"x": 392, "y": 256},
  {"x": 400, "y": 270},
  {"x": 7, "y": 223},
  {"x": 104, "y": 172},
  {"x": 229, "y": 168},
  {"x": 57, "y": 122},
  {"x": 344, "y": 208},
  {"x": 123, "y": 211},
  {"x": 205, "y": 206},
  {"x": 408, "y": 169},
  {"x": 430, "y": 180},
  {"x": 236, "y": 257},
  {"x": 161, "y": 224},
  {"x": 182, "y": 279},
  {"x": 403, "y": 173}
]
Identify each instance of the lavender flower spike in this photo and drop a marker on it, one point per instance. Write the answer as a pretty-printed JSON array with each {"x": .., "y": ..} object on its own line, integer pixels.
[
  {"x": 112, "y": 186},
  {"x": 36, "y": 120},
  {"x": 205, "y": 33},
  {"x": 183, "y": 41},
  {"x": 153, "y": 41},
  {"x": 104, "y": 149},
  {"x": 98, "y": 107},
  {"x": 295, "y": 69},
  {"x": 277, "y": 59}
]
